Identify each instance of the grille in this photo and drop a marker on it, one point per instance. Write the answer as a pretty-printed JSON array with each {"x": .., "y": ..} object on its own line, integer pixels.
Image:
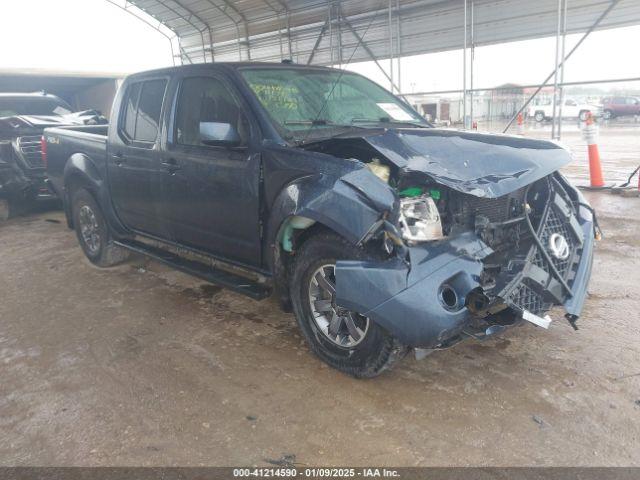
[
  {"x": 522, "y": 295},
  {"x": 555, "y": 225},
  {"x": 31, "y": 150},
  {"x": 526, "y": 299}
]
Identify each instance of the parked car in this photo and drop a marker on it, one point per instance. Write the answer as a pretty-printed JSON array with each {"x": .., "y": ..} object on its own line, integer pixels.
[
  {"x": 570, "y": 109},
  {"x": 23, "y": 117},
  {"x": 380, "y": 232},
  {"x": 620, "y": 107}
]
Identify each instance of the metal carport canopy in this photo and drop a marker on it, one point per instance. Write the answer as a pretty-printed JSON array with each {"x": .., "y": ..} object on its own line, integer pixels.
[{"x": 326, "y": 32}]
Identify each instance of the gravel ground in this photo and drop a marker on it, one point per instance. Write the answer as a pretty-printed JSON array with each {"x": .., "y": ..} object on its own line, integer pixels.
[{"x": 141, "y": 365}]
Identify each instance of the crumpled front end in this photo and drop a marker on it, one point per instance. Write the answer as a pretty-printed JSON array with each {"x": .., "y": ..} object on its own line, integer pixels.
[{"x": 520, "y": 255}]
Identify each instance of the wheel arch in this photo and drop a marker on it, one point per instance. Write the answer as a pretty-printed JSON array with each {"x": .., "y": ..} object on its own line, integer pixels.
[
  {"x": 316, "y": 204},
  {"x": 79, "y": 172}
]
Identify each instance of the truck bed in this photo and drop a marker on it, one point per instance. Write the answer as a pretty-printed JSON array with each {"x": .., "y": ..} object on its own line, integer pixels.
[{"x": 64, "y": 142}]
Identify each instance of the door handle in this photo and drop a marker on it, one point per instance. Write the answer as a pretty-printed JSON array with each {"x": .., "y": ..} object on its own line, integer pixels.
[
  {"x": 118, "y": 158},
  {"x": 171, "y": 165}
]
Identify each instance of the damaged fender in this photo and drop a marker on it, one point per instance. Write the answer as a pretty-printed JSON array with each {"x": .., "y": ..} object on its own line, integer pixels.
[
  {"x": 423, "y": 303},
  {"x": 351, "y": 205}
]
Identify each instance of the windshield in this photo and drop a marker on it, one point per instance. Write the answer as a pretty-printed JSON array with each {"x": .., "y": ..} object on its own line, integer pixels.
[
  {"x": 11, "y": 106},
  {"x": 299, "y": 99}
]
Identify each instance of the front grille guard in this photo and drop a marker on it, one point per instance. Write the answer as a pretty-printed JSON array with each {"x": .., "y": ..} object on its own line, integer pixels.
[{"x": 545, "y": 281}]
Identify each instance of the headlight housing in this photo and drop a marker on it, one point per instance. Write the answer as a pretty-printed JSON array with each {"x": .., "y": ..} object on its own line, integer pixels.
[{"x": 420, "y": 219}]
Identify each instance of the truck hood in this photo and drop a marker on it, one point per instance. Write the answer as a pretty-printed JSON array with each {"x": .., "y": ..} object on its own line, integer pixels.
[{"x": 483, "y": 165}]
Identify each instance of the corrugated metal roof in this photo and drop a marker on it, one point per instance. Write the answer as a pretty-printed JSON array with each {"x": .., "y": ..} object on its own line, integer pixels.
[{"x": 270, "y": 30}]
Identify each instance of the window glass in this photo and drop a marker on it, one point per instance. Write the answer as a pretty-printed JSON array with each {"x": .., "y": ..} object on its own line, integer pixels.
[
  {"x": 32, "y": 106},
  {"x": 149, "y": 110},
  {"x": 131, "y": 103},
  {"x": 631, "y": 101},
  {"x": 205, "y": 99},
  {"x": 571, "y": 103}
]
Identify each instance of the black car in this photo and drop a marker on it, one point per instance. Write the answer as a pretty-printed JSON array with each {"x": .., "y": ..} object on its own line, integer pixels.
[
  {"x": 380, "y": 232},
  {"x": 23, "y": 118}
]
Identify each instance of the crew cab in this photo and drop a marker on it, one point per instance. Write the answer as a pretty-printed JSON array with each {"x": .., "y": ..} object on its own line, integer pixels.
[
  {"x": 315, "y": 185},
  {"x": 570, "y": 109},
  {"x": 23, "y": 118}
]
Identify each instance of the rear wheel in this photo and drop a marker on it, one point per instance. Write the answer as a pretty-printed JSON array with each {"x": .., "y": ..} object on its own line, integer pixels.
[
  {"x": 346, "y": 340},
  {"x": 539, "y": 116},
  {"x": 93, "y": 233},
  {"x": 607, "y": 115},
  {"x": 583, "y": 115}
]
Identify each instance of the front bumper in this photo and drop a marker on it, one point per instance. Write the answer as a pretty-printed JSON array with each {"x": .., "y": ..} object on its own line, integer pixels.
[{"x": 423, "y": 303}]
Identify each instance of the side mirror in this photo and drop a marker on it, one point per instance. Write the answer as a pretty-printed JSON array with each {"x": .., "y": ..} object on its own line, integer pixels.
[{"x": 219, "y": 134}]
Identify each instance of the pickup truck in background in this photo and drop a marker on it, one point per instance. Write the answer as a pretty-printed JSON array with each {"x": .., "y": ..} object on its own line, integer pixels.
[
  {"x": 23, "y": 118},
  {"x": 381, "y": 233},
  {"x": 570, "y": 109},
  {"x": 620, "y": 107}
]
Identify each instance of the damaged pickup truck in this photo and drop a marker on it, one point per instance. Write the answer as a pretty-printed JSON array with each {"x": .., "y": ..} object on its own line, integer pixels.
[
  {"x": 23, "y": 118},
  {"x": 381, "y": 233}
]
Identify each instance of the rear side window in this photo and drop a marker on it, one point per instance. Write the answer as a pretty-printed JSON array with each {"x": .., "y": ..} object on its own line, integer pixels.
[{"x": 142, "y": 107}]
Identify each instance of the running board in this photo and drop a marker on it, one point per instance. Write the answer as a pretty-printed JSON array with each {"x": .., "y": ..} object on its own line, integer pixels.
[{"x": 236, "y": 283}]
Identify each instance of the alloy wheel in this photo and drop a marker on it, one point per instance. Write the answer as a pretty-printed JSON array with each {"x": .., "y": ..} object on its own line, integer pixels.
[
  {"x": 342, "y": 327},
  {"x": 89, "y": 229}
]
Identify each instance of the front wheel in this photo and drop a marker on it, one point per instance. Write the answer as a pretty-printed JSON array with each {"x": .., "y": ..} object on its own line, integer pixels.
[
  {"x": 93, "y": 233},
  {"x": 539, "y": 116},
  {"x": 583, "y": 115},
  {"x": 607, "y": 115},
  {"x": 346, "y": 340}
]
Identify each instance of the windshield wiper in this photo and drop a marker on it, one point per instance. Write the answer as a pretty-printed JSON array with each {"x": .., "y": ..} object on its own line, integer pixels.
[
  {"x": 313, "y": 123},
  {"x": 388, "y": 120}
]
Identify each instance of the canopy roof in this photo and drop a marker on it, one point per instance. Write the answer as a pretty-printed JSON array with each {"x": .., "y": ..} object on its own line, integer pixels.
[{"x": 326, "y": 32}]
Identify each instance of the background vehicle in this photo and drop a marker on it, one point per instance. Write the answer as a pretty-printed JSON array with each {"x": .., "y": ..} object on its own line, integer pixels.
[
  {"x": 23, "y": 117},
  {"x": 378, "y": 231},
  {"x": 620, "y": 107},
  {"x": 570, "y": 109}
]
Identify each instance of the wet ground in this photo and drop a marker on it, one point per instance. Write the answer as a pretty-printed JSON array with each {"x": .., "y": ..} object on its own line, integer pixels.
[{"x": 141, "y": 365}]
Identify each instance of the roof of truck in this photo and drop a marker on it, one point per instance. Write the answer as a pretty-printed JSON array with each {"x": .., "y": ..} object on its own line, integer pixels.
[{"x": 232, "y": 65}]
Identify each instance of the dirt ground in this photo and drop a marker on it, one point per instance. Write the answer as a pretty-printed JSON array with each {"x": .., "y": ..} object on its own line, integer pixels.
[{"x": 141, "y": 365}]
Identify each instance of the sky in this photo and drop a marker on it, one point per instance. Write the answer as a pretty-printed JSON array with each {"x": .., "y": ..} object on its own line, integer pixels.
[{"x": 95, "y": 36}]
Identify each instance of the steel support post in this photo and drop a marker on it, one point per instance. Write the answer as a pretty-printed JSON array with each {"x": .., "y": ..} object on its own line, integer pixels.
[
  {"x": 571, "y": 52},
  {"x": 464, "y": 70},
  {"x": 560, "y": 86}
]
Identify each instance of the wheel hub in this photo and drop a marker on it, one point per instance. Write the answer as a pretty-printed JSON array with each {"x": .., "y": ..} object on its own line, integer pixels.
[{"x": 341, "y": 326}]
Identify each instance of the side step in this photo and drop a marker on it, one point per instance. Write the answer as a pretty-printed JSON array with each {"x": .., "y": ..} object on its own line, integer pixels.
[{"x": 211, "y": 274}]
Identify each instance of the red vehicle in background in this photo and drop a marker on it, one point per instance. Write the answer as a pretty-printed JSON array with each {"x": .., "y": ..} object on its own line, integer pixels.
[{"x": 620, "y": 107}]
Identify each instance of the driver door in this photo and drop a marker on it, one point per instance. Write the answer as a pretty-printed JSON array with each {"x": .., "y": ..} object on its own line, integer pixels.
[{"x": 211, "y": 190}]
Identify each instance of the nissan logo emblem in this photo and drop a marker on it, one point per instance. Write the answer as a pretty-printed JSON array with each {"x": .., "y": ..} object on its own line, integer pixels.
[{"x": 559, "y": 246}]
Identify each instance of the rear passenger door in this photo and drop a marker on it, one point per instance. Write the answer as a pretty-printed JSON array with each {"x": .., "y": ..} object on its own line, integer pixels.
[{"x": 132, "y": 164}]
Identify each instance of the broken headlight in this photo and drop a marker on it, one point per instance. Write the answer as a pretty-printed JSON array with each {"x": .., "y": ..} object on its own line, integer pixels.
[{"x": 419, "y": 219}]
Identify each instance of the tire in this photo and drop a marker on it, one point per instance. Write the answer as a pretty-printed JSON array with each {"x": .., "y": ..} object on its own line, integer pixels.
[
  {"x": 539, "y": 117},
  {"x": 93, "y": 233},
  {"x": 607, "y": 115},
  {"x": 375, "y": 351},
  {"x": 582, "y": 116}
]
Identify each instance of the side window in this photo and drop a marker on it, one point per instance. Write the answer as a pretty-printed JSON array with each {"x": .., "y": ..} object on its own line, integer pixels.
[
  {"x": 142, "y": 106},
  {"x": 205, "y": 99},
  {"x": 571, "y": 103},
  {"x": 130, "y": 107}
]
